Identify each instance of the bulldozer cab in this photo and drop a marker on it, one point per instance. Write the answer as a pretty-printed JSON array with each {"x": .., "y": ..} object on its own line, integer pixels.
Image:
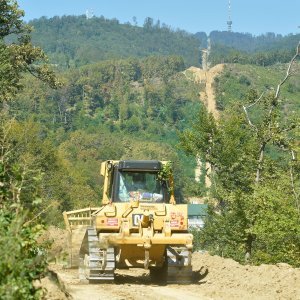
[{"x": 136, "y": 181}]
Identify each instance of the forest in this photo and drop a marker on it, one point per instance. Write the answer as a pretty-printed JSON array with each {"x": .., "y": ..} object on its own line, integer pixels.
[
  {"x": 119, "y": 91},
  {"x": 99, "y": 38}
]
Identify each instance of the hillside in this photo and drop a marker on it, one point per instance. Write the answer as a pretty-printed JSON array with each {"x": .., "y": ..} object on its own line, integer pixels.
[
  {"x": 75, "y": 40},
  {"x": 99, "y": 39},
  {"x": 249, "y": 43},
  {"x": 244, "y": 48},
  {"x": 238, "y": 80},
  {"x": 115, "y": 109}
]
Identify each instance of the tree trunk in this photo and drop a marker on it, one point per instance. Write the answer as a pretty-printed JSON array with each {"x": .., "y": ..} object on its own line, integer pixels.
[
  {"x": 248, "y": 246},
  {"x": 260, "y": 161}
]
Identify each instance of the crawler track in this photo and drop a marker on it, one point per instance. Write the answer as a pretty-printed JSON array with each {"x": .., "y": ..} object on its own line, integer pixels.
[{"x": 95, "y": 264}]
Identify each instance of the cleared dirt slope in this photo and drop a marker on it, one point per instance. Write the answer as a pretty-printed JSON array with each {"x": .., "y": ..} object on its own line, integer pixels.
[
  {"x": 207, "y": 77},
  {"x": 227, "y": 279},
  {"x": 207, "y": 96}
]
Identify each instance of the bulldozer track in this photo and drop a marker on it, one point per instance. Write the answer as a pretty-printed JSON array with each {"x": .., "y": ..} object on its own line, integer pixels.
[{"x": 96, "y": 264}]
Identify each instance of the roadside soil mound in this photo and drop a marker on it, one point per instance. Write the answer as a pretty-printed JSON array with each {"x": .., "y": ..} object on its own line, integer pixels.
[
  {"x": 57, "y": 253},
  {"x": 58, "y": 239},
  {"x": 52, "y": 289},
  {"x": 227, "y": 279}
]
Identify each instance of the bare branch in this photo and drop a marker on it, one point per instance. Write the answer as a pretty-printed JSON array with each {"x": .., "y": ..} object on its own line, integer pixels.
[
  {"x": 288, "y": 71},
  {"x": 248, "y": 119},
  {"x": 287, "y": 75},
  {"x": 254, "y": 103},
  {"x": 40, "y": 213},
  {"x": 273, "y": 105},
  {"x": 249, "y": 106}
]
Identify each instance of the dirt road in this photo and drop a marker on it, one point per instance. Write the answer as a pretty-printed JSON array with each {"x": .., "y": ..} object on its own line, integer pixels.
[
  {"x": 207, "y": 96},
  {"x": 207, "y": 77},
  {"x": 215, "y": 278},
  {"x": 134, "y": 284}
]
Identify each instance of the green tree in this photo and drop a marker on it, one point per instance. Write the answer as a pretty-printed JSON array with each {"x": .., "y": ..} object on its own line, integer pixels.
[
  {"x": 23, "y": 259},
  {"x": 255, "y": 212},
  {"x": 20, "y": 56}
]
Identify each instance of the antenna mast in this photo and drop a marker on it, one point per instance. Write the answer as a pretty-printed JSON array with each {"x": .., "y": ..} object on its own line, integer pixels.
[
  {"x": 89, "y": 14},
  {"x": 229, "y": 22}
]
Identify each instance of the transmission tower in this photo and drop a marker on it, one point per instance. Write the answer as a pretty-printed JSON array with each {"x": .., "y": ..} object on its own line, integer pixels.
[
  {"x": 229, "y": 22},
  {"x": 89, "y": 14}
]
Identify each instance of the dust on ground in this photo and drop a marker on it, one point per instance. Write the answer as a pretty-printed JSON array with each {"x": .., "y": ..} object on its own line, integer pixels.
[
  {"x": 56, "y": 254},
  {"x": 215, "y": 278}
]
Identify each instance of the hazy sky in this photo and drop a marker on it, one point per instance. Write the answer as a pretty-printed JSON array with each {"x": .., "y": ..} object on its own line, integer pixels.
[{"x": 255, "y": 16}]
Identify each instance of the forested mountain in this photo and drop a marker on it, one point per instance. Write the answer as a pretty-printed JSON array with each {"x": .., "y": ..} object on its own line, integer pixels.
[
  {"x": 76, "y": 40},
  {"x": 238, "y": 81},
  {"x": 244, "y": 48},
  {"x": 249, "y": 43},
  {"x": 99, "y": 39}
]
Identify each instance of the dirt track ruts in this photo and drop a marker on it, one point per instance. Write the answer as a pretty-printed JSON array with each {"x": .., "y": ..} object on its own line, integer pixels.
[{"x": 218, "y": 278}]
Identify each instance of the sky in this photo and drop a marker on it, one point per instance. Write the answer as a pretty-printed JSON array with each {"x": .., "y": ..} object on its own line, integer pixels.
[{"x": 255, "y": 16}]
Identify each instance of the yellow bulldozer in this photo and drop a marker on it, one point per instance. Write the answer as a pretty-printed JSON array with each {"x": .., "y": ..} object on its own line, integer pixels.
[{"x": 138, "y": 225}]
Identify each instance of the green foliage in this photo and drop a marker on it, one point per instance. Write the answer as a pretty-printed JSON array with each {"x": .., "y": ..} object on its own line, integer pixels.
[
  {"x": 132, "y": 108},
  {"x": 166, "y": 172},
  {"x": 166, "y": 175},
  {"x": 254, "y": 214},
  {"x": 246, "y": 42},
  {"x": 196, "y": 239},
  {"x": 223, "y": 54},
  {"x": 117, "y": 93},
  {"x": 162, "y": 67},
  {"x": 23, "y": 259},
  {"x": 20, "y": 56},
  {"x": 267, "y": 217},
  {"x": 244, "y": 83},
  {"x": 243, "y": 48},
  {"x": 103, "y": 109},
  {"x": 10, "y": 18},
  {"x": 276, "y": 230},
  {"x": 99, "y": 39}
]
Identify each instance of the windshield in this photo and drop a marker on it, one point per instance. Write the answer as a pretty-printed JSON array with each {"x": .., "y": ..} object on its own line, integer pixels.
[{"x": 142, "y": 186}]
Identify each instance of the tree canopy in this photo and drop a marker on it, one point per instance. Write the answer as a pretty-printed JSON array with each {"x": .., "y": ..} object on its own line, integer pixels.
[{"x": 254, "y": 215}]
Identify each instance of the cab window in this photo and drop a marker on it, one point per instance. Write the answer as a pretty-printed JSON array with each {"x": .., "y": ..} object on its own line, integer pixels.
[{"x": 142, "y": 186}]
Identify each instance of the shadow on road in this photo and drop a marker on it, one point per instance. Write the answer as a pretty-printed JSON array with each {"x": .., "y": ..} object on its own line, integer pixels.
[{"x": 138, "y": 277}]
